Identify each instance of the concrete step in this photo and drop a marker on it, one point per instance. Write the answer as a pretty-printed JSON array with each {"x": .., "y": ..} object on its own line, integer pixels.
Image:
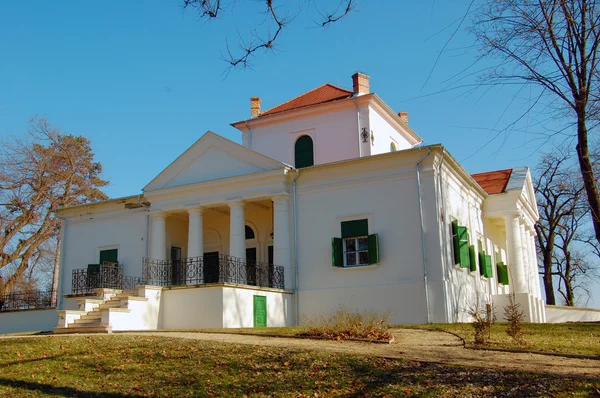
[
  {"x": 110, "y": 304},
  {"x": 92, "y": 315},
  {"x": 83, "y": 329},
  {"x": 86, "y": 321}
]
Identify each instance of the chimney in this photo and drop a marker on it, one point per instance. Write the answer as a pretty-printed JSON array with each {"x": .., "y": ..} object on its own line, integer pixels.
[
  {"x": 403, "y": 116},
  {"x": 254, "y": 106},
  {"x": 360, "y": 83}
]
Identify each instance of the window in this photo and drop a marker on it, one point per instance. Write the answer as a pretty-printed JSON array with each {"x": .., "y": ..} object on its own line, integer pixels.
[
  {"x": 393, "y": 147},
  {"x": 249, "y": 232},
  {"x": 303, "y": 152},
  {"x": 485, "y": 262},
  {"x": 356, "y": 247},
  {"x": 356, "y": 251},
  {"x": 460, "y": 243}
]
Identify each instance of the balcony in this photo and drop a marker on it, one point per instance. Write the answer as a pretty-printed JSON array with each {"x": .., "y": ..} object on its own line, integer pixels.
[
  {"x": 211, "y": 269},
  {"x": 102, "y": 276}
]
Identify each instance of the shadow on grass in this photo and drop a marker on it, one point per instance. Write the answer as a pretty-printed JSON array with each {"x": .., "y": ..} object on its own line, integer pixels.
[{"x": 61, "y": 391}]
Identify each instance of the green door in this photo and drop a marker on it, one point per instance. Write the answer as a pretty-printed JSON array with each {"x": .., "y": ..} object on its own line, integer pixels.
[
  {"x": 109, "y": 256},
  {"x": 260, "y": 311}
]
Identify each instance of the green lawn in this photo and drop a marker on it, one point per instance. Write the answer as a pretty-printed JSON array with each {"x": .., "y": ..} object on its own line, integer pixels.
[
  {"x": 569, "y": 338},
  {"x": 122, "y": 366}
]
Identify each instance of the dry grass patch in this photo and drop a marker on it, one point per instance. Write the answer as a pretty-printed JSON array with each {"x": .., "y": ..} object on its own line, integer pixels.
[
  {"x": 121, "y": 366},
  {"x": 566, "y": 338},
  {"x": 344, "y": 323}
]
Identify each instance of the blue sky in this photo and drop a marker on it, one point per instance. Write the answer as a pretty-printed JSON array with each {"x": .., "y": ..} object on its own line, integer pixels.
[{"x": 144, "y": 80}]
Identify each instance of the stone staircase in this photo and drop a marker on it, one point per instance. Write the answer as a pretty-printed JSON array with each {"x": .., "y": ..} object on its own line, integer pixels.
[{"x": 94, "y": 314}]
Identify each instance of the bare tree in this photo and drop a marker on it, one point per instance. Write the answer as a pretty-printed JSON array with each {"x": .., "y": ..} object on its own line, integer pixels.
[
  {"x": 571, "y": 258},
  {"x": 566, "y": 256},
  {"x": 38, "y": 175},
  {"x": 277, "y": 17},
  {"x": 551, "y": 44}
]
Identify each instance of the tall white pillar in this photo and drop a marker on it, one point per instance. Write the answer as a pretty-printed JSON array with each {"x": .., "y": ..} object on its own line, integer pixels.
[
  {"x": 158, "y": 245},
  {"x": 195, "y": 233},
  {"x": 281, "y": 232},
  {"x": 237, "y": 230},
  {"x": 525, "y": 255},
  {"x": 515, "y": 257},
  {"x": 534, "y": 264}
]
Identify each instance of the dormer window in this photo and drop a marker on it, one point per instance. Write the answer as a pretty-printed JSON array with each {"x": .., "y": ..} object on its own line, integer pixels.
[{"x": 303, "y": 152}]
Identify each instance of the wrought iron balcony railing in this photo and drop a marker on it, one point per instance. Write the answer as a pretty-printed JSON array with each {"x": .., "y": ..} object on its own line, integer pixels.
[
  {"x": 105, "y": 275},
  {"x": 211, "y": 269},
  {"x": 27, "y": 300}
]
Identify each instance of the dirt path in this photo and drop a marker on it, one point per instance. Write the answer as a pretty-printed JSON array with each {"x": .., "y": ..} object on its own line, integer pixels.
[{"x": 418, "y": 345}]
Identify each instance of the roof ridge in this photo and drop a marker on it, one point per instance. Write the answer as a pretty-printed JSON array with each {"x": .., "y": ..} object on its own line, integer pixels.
[
  {"x": 492, "y": 171},
  {"x": 303, "y": 94}
]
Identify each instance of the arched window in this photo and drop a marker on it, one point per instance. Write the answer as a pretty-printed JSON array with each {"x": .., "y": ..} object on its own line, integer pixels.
[
  {"x": 392, "y": 147},
  {"x": 303, "y": 152},
  {"x": 249, "y": 233}
]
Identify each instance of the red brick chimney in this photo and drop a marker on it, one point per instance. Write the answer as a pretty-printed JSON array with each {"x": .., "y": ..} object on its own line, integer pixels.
[
  {"x": 254, "y": 106},
  {"x": 403, "y": 116},
  {"x": 360, "y": 83}
]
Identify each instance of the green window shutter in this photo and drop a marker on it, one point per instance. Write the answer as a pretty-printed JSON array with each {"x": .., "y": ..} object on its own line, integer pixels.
[
  {"x": 303, "y": 152},
  {"x": 472, "y": 259},
  {"x": 463, "y": 241},
  {"x": 502, "y": 273},
  {"x": 354, "y": 228},
  {"x": 455, "y": 242},
  {"x": 373, "y": 249},
  {"x": 337, "y": 252},
  {"x": 488, "y": 266},
  {"x": 109, "y": 256}
]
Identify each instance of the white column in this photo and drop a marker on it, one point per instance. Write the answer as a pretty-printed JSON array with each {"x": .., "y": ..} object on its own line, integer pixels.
[
  {"x": 281, "y": 232},
  {"x": 534, "y": 264},
  {"x": 525, "y": 255},
  {"x": 515, "y": 258},
  {"x": 195, "y": 233},
  {"x": 237, "y": 230},
  {"x": 158, "y": 245}
]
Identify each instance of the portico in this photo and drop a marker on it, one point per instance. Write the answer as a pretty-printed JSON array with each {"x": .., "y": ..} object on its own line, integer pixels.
[{"x": 196, "y": 245}]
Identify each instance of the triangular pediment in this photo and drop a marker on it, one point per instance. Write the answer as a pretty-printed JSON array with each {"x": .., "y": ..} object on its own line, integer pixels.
[{"x": 212, "y": 157}]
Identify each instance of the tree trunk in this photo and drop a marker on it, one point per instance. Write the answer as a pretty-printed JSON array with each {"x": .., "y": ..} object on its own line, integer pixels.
[
  {"x": 56, "y": 273},
  {"x": 587, "y": 171},
  {"x": 569, "y": 297},
  {"x": 547, "y": 278}
]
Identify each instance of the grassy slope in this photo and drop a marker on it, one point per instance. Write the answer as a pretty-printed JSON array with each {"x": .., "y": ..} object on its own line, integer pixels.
[
  {"x": 133, "y": 366},
  {"x": 569, "y": 338}
]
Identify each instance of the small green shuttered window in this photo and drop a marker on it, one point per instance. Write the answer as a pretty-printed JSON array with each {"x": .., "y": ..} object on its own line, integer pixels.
[
  {"x": 460, "y": 240},
  {"x": 109, "y": 256},
  {"x": 487, "y": 268},
  {"x": 356, "y": 247},
  {"x": 502, "y": 270},
  {"x": 354, "y": 228},
  {"x": 303, "y": 152},
  {"x": 472, "y": 259}
]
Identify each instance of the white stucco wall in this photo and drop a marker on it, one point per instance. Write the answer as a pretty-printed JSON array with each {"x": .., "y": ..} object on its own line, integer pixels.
[
  {"x": 219, "y": 306},
  {"x": 28, "y": 321},
  {"x": 85, "y": 236},
  {"x": 238, "y": 308},
  {"x": 384, "y": 134},
  {"x": 560, "y": 314},
  {"x": 335, "y": 137},
  {"x": 382, "y": 190},
  {"x": 191, "y": 308}
]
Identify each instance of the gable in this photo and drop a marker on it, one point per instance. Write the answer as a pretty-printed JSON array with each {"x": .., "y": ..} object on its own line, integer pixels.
[{"x": 212, "y": 157}]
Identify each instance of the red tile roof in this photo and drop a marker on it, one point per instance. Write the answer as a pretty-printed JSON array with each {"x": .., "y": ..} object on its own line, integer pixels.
[
  {"x": 319, "y": 95},
  {"x": 493, "y": 182}
]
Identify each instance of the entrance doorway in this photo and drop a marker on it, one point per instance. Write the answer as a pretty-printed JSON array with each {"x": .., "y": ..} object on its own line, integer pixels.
[
  {"x": 177, "y": 271},
  {"x": 211, "y": 267},
  {"x": 251, "y": 266}
]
